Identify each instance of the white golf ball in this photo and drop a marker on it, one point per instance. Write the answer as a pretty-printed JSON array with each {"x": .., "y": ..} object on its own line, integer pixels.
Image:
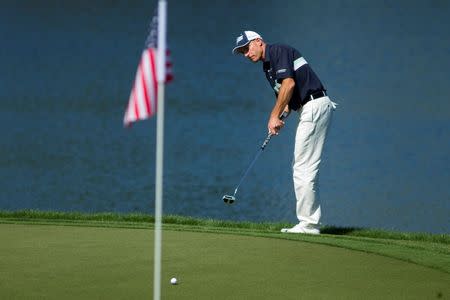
[{"x": 173, "y": 281}]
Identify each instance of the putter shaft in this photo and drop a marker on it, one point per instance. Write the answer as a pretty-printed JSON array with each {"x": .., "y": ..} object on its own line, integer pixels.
[{"x": 230, "y": 199}]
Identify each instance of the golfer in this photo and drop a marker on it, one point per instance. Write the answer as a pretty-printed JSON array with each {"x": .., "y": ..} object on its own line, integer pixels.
[{"x": 297, "y": 88}]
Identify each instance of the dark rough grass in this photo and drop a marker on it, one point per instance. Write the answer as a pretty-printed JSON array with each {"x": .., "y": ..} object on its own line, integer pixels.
[{"x": 182, "y": 220}]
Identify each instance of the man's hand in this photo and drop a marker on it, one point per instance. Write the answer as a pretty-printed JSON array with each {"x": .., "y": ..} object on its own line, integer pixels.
[
  {"x": 287, "y": 88},
  {"x": 275, "y": 125}
]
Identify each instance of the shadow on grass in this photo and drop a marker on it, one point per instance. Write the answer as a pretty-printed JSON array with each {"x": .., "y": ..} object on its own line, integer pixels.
[{"x": 339, "y": 230}]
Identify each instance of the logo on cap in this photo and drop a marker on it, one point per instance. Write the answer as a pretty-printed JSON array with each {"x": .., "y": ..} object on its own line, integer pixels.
[{"x": 245, "y": 38}]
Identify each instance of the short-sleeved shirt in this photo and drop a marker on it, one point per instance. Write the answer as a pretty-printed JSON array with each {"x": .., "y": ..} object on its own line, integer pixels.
[{"x": 282, "y": 61}]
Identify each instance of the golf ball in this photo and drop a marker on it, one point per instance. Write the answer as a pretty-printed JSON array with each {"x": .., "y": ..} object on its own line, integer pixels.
[{"x": 173, "y": 281}]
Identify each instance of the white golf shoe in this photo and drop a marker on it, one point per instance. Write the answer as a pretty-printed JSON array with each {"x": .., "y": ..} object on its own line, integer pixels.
[{"x": 301, "y": 228}]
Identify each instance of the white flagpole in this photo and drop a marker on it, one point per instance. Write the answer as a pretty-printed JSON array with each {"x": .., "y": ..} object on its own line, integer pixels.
[{"x": 161, "y": 70}]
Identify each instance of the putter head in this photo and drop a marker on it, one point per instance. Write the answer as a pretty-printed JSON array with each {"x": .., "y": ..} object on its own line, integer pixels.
[{"x": 228, "y": 199}]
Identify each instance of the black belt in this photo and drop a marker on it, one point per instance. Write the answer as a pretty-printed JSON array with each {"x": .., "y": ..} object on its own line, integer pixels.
[{"x": 314, "y": 95}]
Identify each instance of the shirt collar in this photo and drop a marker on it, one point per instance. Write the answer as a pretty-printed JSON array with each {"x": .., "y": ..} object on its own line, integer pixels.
[{"x": 267, "y": 53}]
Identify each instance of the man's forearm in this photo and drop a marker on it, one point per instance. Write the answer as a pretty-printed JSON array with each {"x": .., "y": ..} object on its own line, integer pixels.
[{"x": 285, "y": 94}]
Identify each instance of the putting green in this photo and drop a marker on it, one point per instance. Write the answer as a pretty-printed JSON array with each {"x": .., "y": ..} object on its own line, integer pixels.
[{"x": 66, "y": 262}]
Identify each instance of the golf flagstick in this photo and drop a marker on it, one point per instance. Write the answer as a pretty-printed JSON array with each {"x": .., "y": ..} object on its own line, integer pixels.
[
  {"x": 228, "y": 199},
  {"x": 161, "y": 69}
]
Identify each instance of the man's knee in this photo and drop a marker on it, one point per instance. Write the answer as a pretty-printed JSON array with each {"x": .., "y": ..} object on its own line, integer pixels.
[{"x": 306, "y": 181}]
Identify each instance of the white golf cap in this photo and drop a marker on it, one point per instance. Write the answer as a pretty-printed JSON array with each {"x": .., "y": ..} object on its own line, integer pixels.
[{"x": 244, "y": 38}]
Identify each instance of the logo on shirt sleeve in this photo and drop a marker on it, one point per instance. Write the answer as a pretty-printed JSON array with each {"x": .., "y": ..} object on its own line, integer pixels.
[
  {"x": 281, "y": 71},
  {"x": 276, "y": 87}
]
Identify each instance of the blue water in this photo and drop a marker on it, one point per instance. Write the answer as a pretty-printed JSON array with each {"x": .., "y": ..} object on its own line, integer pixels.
[{"x": 67, "y": 69}]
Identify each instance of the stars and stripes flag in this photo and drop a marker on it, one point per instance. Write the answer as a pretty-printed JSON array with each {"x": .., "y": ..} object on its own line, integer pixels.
[{"x": 144, "y": 94}]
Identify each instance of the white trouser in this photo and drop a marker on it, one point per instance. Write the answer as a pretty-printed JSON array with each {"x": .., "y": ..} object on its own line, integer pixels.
[{"x": 315, "y": 117}]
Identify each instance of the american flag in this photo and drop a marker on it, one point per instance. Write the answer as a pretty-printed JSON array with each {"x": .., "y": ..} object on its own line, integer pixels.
[{"x": 143, "y": 98}]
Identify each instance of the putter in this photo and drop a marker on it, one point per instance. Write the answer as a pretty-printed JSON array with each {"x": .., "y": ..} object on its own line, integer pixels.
[{"x": 228, "y": 199}]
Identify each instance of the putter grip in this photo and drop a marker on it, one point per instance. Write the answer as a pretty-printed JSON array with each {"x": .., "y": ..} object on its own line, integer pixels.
[
  {"x": 284, "y": 115},
  {"x": 269, "y": 136}
]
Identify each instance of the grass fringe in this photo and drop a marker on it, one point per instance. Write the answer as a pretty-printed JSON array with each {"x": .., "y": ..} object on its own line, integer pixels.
[{"x": 191, "y": 221}]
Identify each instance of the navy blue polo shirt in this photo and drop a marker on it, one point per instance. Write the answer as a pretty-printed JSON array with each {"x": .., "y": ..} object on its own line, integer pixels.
[{"x": 282, "y": 61}]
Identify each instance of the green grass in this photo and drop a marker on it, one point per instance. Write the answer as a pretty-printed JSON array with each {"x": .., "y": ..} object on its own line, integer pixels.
[
  {"x": 72, "y": 255},
  {"x": 75, "y": 261},
  {"x": 147, "y": 220},
  {"x": 431, "y": 250}
]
